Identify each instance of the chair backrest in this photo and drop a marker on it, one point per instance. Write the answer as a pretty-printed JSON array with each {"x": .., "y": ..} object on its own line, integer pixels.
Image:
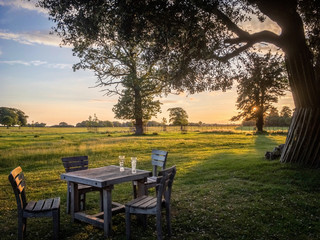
[
  {"x": 16, "y": 178},
  {"x": 158, "y": 159},
  {"x": 72, "y": 164},
  {"x": 164, "y": 183}
]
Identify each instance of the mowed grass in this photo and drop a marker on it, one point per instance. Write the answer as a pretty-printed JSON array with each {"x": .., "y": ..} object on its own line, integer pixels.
[{"x": 224, "y": 188}]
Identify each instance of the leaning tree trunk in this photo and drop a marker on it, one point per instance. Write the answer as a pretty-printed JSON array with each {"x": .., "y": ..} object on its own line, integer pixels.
[{"x": 303, "y": 140}]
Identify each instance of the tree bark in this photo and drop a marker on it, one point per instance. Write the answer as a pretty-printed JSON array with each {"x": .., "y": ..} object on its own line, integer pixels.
[
  {"x": 303, "y": 140},
  {"x": 138, "y": 113},
  {"x": 259, "y": 121}
]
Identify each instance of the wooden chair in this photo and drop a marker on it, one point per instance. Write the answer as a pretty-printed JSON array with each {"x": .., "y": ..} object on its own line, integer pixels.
[
  {"x": 78, "y": 163},
  {"x": 148, "y": 205},
  {"x": 158, "y": 159},
  {"x": 42, "y": 208}
]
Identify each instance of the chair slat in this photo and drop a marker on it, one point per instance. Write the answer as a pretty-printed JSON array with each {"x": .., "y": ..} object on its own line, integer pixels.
[
  {"x": 78, "y": 158},
  {"x": 159, "y": 152},
  {"x": 149, "y": 204},
  {"x": 38, "y": 206},
  {"x": 16, "y": 171},
  {"x": 30, "y": 206},
  {"x": 158, "y": 157},
  {"x": 72, "y": 164},
  {"x": 142, "y": 201},
  {"x": 157, "y": 163},
  {"x": 47, "y": 204},
  {"x": 56, "y": 203},
  {"x": 20, "y": 182}
]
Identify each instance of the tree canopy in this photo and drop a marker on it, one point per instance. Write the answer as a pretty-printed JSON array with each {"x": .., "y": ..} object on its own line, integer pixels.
[
  {"x": 12, "y": 116},
  {"x": 200, "y": 41}
]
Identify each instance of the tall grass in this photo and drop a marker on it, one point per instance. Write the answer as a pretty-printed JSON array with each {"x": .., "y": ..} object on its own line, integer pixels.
[{"x": 224, "y": 188}]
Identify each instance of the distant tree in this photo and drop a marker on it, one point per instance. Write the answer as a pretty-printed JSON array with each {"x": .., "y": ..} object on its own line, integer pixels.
[
  {"x": 259, "y": 85},
  {"x": 116, "y": 124},
  {"x": 153, "y": 124},
  {"x": 286, "y": 116},
  {"x": 7, "y": 121},
  {"x": 17, "y": 116},
  {"x": 62, "y": 124},
  {"x": 178, "y": 117},
  {"x": 273, "y": 118},
  {"x": 164, "y": 124},
  {"x": 286, "y": 112}
]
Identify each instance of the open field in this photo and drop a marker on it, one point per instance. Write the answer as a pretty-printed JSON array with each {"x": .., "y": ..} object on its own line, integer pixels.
[{"x": 224, "y": 188}]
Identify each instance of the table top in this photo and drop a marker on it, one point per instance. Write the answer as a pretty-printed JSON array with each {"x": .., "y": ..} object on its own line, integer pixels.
[{"x": 104, "y": 176}]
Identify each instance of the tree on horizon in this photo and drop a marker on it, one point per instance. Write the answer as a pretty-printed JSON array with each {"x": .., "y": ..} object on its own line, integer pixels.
[{"x": 260, "y": 85}]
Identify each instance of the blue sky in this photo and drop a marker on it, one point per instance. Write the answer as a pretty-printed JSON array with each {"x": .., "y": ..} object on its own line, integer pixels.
[{"x": 36, "y": 76}]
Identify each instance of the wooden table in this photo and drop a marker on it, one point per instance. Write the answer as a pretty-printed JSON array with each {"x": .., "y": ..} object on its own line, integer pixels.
[{"x": 104, "y": 178}]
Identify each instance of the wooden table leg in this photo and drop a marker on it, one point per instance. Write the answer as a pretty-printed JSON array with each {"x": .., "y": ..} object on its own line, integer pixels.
[
  {"x": 107, "y": 207},
  {"x": 74, "y": 203},
  {"x": 142, "y": 190}
]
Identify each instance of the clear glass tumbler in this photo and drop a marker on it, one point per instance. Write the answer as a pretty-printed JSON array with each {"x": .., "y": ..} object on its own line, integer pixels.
[
  {"x": 134, "y": 164},
  {"x": 121, "y": 163}
]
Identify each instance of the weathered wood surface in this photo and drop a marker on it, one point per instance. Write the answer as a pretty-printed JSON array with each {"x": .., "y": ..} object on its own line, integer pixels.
[
  {"x": 42, "y": 208},
  {"x": 104, "y": 176},
  {"x": 77, "y": 163},
  {"x": 153, "y": 205}
]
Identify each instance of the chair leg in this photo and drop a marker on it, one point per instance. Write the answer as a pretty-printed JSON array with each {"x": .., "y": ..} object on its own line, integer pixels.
[
  {"x": 128, "y": 223},
  {"x": 68, "y": 199},
  {"x": 168, "y": 217},
  {"x": 22, "y": 227},
  {"x": 159, "y": 229},
  {"x": 134, "y": 188},
  {"x": 101, "y": 201},
  {"x": 56, "y": 223},
  {"x": 82, "y": 202}
]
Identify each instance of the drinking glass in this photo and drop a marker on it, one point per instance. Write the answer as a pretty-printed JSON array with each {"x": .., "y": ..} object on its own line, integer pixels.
[
  {"x": 134, "y": 164},
  {"x": 121, "y": 163}
]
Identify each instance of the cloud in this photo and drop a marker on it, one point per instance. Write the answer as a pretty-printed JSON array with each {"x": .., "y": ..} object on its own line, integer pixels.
[
  {"x": 37, "y": 63},
  {"x": 31, "y": 38},
  {"x": 103, "y": 100},
  {"x": 18, "y": 4}
]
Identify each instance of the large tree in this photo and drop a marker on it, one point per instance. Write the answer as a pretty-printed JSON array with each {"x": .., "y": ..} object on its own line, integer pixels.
[
  {"x": 199, "y": 36},
  {"x": 119, "y": 64},
  {"x": 259, "y": 86}
]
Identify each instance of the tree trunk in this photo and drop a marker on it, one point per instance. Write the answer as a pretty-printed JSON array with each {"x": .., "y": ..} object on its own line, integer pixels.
[
  {"x": 303, "y": 140},
  {"x": 259, "y": 121},
  {"x": 138, "y": 113}
]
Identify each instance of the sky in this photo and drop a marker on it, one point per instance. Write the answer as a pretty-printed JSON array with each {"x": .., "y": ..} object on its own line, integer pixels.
[{"x": 36, "y": 76}]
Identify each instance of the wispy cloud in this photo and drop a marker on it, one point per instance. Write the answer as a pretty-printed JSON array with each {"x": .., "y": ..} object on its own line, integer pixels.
[
  {"x": 31, "y": 38},
  {"x": 103, "y": 100},
  {"x": 17, "y": 4},
  {"x": 37, "y": 63}
]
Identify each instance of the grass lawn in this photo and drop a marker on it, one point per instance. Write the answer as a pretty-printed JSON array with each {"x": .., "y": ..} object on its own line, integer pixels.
[{"x": 224, "y": 188}]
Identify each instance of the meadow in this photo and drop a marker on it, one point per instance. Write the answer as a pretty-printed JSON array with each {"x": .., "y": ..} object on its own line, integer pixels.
[{"x": 224, "y": 188}]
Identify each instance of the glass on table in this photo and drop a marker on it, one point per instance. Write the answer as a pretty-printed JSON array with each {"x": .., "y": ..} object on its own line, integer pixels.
[
  {"x": 121, "y": 163},
  {"x": 134, "y": 164}
]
